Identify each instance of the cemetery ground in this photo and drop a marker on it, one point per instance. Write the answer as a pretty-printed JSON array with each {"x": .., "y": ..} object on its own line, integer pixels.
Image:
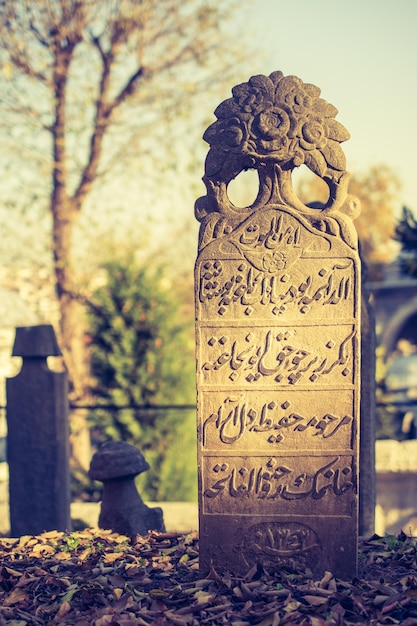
[{"x": 96, "y": 577}]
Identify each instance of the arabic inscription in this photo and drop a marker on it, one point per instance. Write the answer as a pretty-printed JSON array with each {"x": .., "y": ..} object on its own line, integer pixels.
[
  {"x": 284, "y": 356},
  {"x": 240, "y": 484},
  {"x": 281, "y": 421}
]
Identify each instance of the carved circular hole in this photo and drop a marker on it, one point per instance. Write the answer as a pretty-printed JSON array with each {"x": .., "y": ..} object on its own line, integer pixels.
[
  {"x": 243, "y": 190},
  {"x": 309, "y": 188}
]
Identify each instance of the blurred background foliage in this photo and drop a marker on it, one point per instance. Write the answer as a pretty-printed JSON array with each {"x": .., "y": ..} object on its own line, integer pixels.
[{"x": 141, "y": 343}]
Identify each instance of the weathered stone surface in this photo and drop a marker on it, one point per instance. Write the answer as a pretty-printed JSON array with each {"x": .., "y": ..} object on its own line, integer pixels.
[
  {"x": 38, "y": 437},
  {"x": 116, "y": 464},
  {"x": 116, "y": 459},
  {"x": 34, "y": 342},
  {"x": 278, "y": 339},
  {"x": 367, "y": 478}
]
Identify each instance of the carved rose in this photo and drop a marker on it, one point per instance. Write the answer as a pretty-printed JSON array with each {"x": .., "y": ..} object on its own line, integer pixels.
[
  {"x": 283, "y": 119},
  {"x": 251, "y": 97},
  {"x": 273, "y": 262},
  {"x": 298, "y": 96},
  {"x": 313, "y": 134}
]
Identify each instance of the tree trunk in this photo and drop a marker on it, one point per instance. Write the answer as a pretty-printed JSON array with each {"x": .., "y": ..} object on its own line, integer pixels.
[
  {"x": 64, "y": 213},
  {"x": 72, "y": 332}
]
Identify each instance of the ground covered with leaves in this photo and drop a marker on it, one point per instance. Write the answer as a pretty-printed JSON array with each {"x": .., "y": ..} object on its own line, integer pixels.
[{"x": 100, "y": 578}]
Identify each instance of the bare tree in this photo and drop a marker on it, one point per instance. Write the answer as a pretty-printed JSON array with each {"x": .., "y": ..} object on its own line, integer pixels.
[{"x": 81, "y": 82}]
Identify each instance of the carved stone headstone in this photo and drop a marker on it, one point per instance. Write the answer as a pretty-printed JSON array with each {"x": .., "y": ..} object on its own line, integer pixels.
[{"x": 278, "y": 339}]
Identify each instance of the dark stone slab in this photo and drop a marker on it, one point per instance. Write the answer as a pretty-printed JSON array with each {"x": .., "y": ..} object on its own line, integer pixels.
[
  {"x": 115, "y": 464},
  {"x": 367, "y": 477},
  {"x": 38, "y": 437}
]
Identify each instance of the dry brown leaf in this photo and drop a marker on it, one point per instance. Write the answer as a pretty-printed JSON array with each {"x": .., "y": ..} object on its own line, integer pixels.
[
  {"x": 326, "y": 580},
  {"x": 104, "y": 620},
  {"x": 315, "y": 600},
  {"x": 13, "y": 572},
  {"x": 84, "y": 555},
  {"x": 63, "y": 609},
  {"x": 16, "y": 596},
  {"x": 158, "y": 594},
  {"x": 378, "y": 600},
  {"x": 110, "y": 557},
  {"x": 292, "y": 606},
  {"x": 52, "y": 534},
  {"x": 154, "y": 581},
  {"x": 179, "y": 620},
  {"x": 63, "y": 556},
  {"x": 117, "y": 592},
  {"x": 317, "y": 621},
  {"x": 40, "y": 550},
  {"x": 24, "y": 540}
]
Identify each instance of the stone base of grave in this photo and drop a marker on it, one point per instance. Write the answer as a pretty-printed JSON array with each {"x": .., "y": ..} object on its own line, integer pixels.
[{"x": 178, "y": 516}]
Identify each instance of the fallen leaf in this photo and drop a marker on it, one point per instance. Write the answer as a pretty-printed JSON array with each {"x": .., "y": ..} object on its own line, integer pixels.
[
  {"x": 292, "y": 606},
  {"x": 110, "y": 557},
  {"x": 318, "y": 621},
  {"x": 117, "y": 592},
  {"x": 13, "y": 572},
  {"x": 315, "y": 600},
  {"x": 40, "y": 550},
  {"x": 16, "y": 596},
  {"x": 63, "y": 556},
  {"x": 154, "y": 581},
  {"x": 63, "y": 609}
]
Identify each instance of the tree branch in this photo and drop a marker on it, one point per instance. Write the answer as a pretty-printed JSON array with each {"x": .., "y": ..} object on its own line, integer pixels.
[
  {"x": 21, "y": 63},
  {"x": 128, "y": 89},
  {"x": 101, "y": 122}
]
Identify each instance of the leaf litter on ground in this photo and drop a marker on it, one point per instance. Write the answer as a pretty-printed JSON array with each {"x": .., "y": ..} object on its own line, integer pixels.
[{"x": 96, "y": 577}]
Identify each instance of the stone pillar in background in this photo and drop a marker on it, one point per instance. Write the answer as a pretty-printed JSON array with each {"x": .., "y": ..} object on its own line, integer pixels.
[
  {"x": 278, "y": 339},
  {"x": 367, "y": 479},
  {"x": 38, "y": 437}
]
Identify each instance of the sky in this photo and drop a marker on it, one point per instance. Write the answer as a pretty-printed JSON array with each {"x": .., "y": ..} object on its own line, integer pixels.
[{"x": 362, "y": 54}]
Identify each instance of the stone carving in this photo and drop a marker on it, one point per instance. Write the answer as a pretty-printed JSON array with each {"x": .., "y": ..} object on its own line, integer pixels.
[
  {"x": 278, "y": 336},
  {"x": 115, "y": 464},
  {"x": 290, "y": 546},
  {"x": 283, "y": 420},
  {"x": 286, "y": 356},
  {"x": 274, "y": 124},
  {"x": 242, "y": 286}
]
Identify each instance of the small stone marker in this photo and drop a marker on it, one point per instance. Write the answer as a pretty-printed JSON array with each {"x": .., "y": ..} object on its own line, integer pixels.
[
  {"x": 115, "y": 464},
  {"x": 38, "y": 437},
  {"x": 278, "y": 339}
]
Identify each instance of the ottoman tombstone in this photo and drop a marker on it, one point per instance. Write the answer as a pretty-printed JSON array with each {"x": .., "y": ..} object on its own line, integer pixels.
[{"x": 278, "y": 336}]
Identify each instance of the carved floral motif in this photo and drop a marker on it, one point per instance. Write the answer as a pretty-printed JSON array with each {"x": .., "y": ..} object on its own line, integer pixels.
[
  {"x": 278, "y": 118},
  {"x": 273, "y": 124}
]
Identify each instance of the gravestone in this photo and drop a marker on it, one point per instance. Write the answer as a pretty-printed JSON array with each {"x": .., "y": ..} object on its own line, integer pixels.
[
  {"x": 38, "y": 436},
  {"x": 278, "y": 339},
  {"x": 115, "y": 464}
]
